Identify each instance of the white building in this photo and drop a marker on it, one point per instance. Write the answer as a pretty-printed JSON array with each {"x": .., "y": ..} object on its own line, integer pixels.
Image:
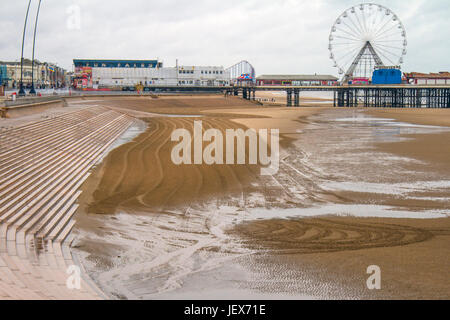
[
  {"x": 120, "y": 73},
  {"x": 202, "y": 76}
]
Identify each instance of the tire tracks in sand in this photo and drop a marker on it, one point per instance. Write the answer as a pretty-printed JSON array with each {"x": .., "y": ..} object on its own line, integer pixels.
[{"x": 305, "y": 236}]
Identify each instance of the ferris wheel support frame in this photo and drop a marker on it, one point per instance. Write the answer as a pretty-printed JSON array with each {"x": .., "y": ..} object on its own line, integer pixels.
[{"x": 353, "y": 66}]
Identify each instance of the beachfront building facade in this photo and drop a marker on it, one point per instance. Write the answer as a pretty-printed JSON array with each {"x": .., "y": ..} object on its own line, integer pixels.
[
  {"x": 46, "y": 75},
  {"x": 440, "y": 78},
  {"x": 111, "y": 74},
  {"x": 202, "y": 76},
  {"x": 296, "y": 80}
]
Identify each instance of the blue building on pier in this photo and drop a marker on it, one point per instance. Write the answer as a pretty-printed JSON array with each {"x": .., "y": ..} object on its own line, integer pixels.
[{"x": 387, "y": 75}]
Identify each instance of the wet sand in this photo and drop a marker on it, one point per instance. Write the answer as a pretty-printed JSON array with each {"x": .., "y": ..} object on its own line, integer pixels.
[
  {"x": 334, "y": 253},
  {"x": 140, "y": 175},
  {"x": 413, "y": 254},
  {"x": 433, "y": 117},
  {"x": 307, "y": 99},
  {"x": 414, "y": 260},
  {"x": 147, "y": 228}
]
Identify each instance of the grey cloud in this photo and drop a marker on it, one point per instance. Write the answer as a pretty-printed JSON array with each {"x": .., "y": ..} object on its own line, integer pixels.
[{"x": 277, "y": 36}]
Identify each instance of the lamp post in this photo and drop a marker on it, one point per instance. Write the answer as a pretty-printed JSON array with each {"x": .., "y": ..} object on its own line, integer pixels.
[
  {"x": 21, "y": 91},
  {"x": 32, "y": 91}
]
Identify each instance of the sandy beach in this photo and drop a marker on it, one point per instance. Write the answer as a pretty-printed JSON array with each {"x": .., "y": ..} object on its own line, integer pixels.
[
  {"x": 356, "y": 187},
  {"x": 225, "y": 159}
]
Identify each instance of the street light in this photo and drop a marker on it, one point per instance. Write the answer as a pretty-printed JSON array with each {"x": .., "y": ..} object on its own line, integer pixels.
[
  {"x": 32, "y": 91},
  {"x": 21, "y": 91}
]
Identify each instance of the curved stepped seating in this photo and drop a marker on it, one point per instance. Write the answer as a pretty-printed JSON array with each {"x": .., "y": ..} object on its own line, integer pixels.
[
  {"x": 15, "y": 215},
  {"x": 10, "y": 210},
  {"x": 30, "y": 140},
  {"x": 35, "y": 170},
  {"x": 49, "y": 140},
  {"x": 42, "y": 166},
  {"x": 29, "y": 133},
  {"x": 15, "y": 183}
]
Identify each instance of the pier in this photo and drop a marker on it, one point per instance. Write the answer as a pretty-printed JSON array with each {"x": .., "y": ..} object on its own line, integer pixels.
[{"x": 388, "y": 96}]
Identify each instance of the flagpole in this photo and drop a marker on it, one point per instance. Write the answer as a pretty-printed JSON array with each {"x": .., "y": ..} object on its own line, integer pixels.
[
  {"x": 32, "y": 91},
  {"x": 21, "y": 91}
]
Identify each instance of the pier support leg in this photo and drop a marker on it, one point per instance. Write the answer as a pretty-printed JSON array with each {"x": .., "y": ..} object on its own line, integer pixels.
[
  {"x": 448, "y": 97},
  {"x": 366, "y": 93},
  {"x": 289, "y": 97},
  {"x": 246, "y": 94},
  {"x": 420, "y": 94},
  {"x": 340, "y": 98},
  {"x": 347, "y": 98},
  {"x": 297, "y": 98}
]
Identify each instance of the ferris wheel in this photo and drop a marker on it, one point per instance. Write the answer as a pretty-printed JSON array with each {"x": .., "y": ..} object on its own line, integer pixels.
[{"x": 366, "y": 36}]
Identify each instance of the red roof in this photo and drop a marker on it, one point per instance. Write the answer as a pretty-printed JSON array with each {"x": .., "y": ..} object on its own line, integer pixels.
[{"x": 418, "y": 75}]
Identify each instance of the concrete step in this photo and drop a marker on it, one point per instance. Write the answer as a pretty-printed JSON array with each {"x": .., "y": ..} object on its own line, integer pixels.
[
  {"x": 38, "y": 201},
  {"x": 36, "y": 171},
  {"x": 10, "y": 214},
  {"x": 46, "y": 136}
]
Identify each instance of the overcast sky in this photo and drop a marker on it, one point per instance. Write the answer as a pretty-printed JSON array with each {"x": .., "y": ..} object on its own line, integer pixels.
[{"x": 276, "y": 36}]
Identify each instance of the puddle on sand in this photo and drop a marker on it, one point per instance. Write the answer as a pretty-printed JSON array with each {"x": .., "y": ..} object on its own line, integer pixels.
[
  {"x": 135, "y": 129},
  {"x": 342, "y": 210},
  {"x": 178, "y": 115},
  {"x": 345, "y": 148}
]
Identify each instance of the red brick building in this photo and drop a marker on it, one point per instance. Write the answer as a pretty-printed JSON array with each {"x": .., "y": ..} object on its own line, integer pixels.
[
  {"x": 428, "y": 78},
  {"x": 296, "y": 80}
]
